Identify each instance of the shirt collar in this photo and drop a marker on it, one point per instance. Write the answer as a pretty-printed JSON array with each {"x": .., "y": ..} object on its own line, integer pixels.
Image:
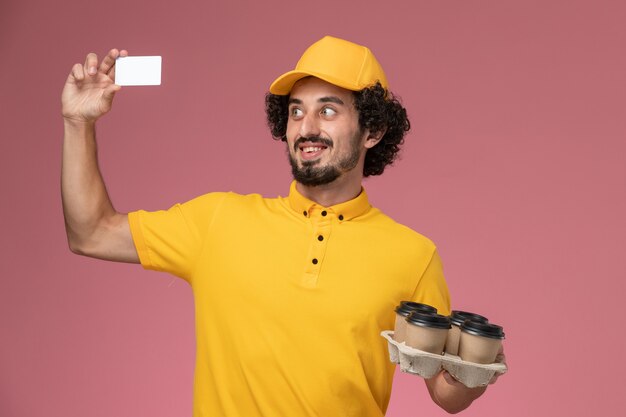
[{"x": 344, "y": 211}]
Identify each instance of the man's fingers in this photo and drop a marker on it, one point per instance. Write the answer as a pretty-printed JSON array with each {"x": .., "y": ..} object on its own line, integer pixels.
[
  {"x": 113, "y": 54},
  {"x": 450, "y": 379},
  {"x": 91, "y": 64},
  {"x": 109, "y": 61},
  {"x": 77, "y": 72}
]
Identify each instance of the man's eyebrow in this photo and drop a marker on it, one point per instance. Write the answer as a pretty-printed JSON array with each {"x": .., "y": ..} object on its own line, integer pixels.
[
  {"x": 331, "y": 99},
  {"x": 328, "y": 99}
]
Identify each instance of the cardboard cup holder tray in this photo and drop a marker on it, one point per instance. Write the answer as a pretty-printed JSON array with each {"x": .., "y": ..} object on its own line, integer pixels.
[{"x": 427, "y": 365}]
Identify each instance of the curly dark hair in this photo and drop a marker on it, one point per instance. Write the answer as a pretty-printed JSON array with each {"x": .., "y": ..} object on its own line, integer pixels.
[{"x": 378, "y": 110}]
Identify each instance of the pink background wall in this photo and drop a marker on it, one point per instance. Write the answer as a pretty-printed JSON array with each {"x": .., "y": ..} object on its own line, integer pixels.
[{"x": 515, "y": 167}]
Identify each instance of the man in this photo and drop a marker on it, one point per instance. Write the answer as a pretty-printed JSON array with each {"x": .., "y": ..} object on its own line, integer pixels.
[{"x": 291, "y": 294}]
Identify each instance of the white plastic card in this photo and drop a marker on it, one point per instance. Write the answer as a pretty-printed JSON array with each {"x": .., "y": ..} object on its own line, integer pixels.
[{"x": 138, "y": 70}]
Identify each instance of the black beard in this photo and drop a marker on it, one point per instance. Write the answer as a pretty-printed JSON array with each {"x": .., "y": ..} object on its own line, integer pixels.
[{"x": 311, "y": 175}]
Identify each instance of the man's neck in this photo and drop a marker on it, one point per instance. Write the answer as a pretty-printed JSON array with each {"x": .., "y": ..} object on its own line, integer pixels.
[{"x": 339, "y": 191}]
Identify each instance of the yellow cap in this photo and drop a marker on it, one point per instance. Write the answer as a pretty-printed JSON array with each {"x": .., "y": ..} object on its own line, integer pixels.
[{"x": 337, "y": 61}]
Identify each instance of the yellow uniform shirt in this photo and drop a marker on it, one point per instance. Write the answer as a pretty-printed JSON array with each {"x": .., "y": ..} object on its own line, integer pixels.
[{"x": 290, "y": 299}]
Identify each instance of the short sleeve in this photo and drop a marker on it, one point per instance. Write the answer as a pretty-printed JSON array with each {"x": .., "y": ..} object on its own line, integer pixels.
[
  {"x": 432, "y": 288},
  {"x": 171, "y": 240}
]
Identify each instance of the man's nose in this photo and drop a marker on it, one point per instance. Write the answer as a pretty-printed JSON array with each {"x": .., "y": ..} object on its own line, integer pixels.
[{"x": 310, "y": 125}]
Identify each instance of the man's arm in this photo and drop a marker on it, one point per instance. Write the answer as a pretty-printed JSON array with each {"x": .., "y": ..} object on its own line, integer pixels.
[{"x": 93, "y": 226}]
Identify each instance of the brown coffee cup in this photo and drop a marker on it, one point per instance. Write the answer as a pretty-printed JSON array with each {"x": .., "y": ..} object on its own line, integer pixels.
[
  {"x": 480, "y": 342},
  {"x": 427, "y": 332},
  {"x": 456, "y": 319},
  {"x": 402, "y": 312}
]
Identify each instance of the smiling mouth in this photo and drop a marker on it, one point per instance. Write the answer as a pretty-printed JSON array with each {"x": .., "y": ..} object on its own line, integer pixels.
[
  {"x": 312, "y": 149},
  {"x": 310, "y": 152}
]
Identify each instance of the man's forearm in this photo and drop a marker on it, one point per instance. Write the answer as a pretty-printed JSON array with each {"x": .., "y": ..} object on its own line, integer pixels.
[
  {"x": 451, "y": 395},
  {"x": 85, "y": 199}
]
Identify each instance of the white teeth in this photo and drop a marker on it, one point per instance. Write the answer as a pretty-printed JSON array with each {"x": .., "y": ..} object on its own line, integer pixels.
[{"x": 311, "y": 149}]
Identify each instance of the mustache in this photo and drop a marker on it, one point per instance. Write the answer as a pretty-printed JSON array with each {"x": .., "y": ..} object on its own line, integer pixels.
[{"x": 314, "y": 139}]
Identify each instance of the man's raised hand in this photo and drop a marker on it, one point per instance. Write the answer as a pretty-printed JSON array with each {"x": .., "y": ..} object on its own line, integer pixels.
[{"x": 89, "y": 89}]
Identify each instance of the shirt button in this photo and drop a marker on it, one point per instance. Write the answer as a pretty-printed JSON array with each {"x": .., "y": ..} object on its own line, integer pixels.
[
  {"x": 341, "y": 217},
  {"x": 314, "y": 261},
  {"x": 324, "y": 213},
  {"x": 304, "y": 212},
  {"x": 320, "y": 238}
]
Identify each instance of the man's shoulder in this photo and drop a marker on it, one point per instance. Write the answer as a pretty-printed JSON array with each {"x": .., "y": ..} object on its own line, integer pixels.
[
  {"x": 399, "y": 231},
  {"x": 231, "y": 199}
]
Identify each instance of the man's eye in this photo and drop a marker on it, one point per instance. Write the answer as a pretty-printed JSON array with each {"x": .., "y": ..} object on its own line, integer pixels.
[
  {"x": 296, "y": 112},
  {"x": 327, "y": 111}
]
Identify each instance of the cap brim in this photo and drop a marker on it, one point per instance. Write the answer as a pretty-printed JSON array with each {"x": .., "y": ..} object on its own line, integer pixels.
[{"x": 282, "y": 85}]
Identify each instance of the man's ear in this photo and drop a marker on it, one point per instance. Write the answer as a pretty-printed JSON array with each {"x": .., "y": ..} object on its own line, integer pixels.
[{"x": 374, "y": 138}]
